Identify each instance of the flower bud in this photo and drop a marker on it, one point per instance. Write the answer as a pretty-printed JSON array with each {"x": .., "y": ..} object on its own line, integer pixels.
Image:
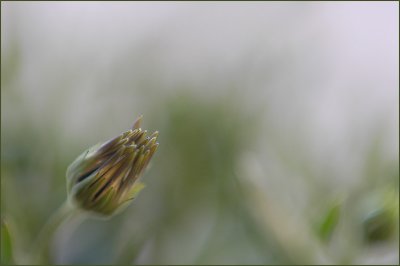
[{"x": 104, "y": 178}]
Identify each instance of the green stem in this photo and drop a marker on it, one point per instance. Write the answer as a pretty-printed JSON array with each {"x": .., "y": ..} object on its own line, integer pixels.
[{"x": 40, "y": 250}]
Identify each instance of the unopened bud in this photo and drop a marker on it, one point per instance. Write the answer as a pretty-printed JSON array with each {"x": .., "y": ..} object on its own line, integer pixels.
[{"x": 104, "y": 178}]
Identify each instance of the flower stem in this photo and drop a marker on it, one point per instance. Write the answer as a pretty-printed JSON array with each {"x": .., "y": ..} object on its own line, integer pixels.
[{"x": 42, "y": 243}]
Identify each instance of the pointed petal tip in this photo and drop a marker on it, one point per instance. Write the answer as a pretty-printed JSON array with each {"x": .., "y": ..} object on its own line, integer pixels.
[
  {"x": 137, "y": 122},
  {"x": 154, "y": 135},
  {"x": 154, "y": 147},
  {"x": 151, "y": 142}
]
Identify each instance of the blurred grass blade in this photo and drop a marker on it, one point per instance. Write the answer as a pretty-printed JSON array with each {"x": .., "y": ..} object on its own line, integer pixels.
[
  {"x": 329, "y": 223},
  {"x": 6, "y": 245}
]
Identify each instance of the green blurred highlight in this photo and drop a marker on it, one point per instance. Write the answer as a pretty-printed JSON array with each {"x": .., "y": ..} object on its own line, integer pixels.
[
  {"x": 329, "y": 222},
  {"x": 6, "y": 245}
]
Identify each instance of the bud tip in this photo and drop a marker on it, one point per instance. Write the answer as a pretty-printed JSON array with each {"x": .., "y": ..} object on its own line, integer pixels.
[{"x": 137, "y": 122}]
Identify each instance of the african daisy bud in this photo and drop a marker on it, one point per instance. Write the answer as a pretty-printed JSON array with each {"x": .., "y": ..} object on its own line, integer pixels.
[{"x": 104, "y": 178}]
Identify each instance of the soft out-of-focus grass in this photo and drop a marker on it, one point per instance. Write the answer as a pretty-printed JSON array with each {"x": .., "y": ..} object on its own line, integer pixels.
[
  {"x": 7, "y": 256},
  {"x": 203, "y": 140}
]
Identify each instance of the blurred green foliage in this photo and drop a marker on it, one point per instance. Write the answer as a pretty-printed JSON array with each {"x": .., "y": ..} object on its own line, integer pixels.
[
  {"x": 6, "y": 245},
  {"x": 379, "y": 225},
  {"x": 329, "y": 222}
]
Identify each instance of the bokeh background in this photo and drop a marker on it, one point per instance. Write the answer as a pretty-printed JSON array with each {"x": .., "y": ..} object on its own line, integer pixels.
[{"x": 279, "y": 128}]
